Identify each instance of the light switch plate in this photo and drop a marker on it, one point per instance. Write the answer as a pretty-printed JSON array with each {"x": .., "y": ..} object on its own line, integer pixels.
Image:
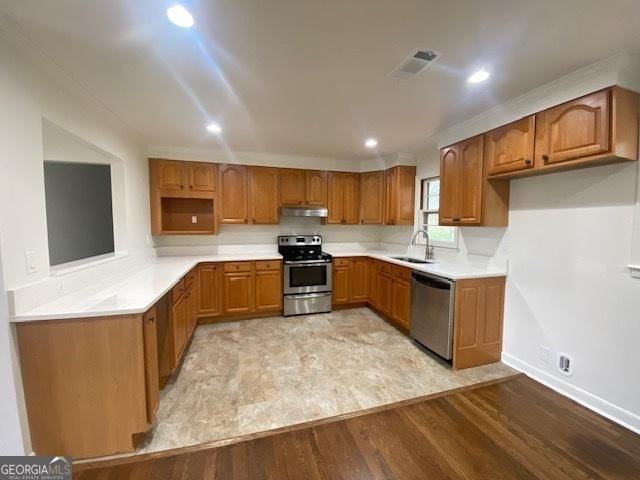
[{"x": 30, "y": 260}]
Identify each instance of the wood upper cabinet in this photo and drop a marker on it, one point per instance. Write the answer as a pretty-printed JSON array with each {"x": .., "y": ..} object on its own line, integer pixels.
[
  {"x": 372, "y": 198},
  {"x": 478, "y": 314},
  {"x": 264, "y": 195},
  {"x": 238, "y": 288},
  {"x": 210, "y": 289},
  {"x": 172, "y": 175},
  {"x": 152, "y": 378},
  {"x": 201, "y": 176},
  {"x": 268, "y": 285},
  {"x": 233, "y": 204},
  {"x": 510, "y": 148},
  {"x": 467, "y": 197},
  {"x": 575, "y": 129},
  {"x": 292, "y": 186},
  {"x": 316, "y": 188},
  {"x": 400, "y": 195},
  {"x": 343, "y": 198}
]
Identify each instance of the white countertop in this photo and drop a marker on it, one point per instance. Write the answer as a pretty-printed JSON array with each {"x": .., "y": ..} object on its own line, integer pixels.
[{"x": 139, "y": 292}]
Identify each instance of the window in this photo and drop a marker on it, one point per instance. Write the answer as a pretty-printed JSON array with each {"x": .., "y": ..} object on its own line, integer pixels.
[
  {"x": 79, "y": 211},
  {"x": 429, "y": 216}
]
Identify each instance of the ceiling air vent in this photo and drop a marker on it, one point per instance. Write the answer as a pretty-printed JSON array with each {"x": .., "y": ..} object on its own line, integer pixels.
[{"x": 414, "y": 63}]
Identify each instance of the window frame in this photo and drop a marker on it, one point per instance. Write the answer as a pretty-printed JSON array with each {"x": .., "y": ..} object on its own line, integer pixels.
[{"x": 423, "y": 213}]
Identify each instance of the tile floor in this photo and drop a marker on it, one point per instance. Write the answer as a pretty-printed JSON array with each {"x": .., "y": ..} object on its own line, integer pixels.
[{"x": 255, "y": 375}]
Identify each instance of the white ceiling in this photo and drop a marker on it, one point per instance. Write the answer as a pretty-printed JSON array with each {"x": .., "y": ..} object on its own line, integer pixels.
[{"x": 310, "y": 77}]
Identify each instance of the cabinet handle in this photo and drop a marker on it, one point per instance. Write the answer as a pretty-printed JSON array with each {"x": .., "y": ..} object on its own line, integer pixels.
[
  {"x": 545, "y": 157},
  {"x": 528, "y": 162},
  {"x": 190, "y": 187},
  {"x": 181, "y": 187},
  {"x": 151, "y": 319},
  {"x": 456, "y": 219}
]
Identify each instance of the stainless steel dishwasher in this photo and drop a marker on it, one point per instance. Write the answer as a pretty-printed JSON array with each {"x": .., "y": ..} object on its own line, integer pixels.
[{"x": 432, "y": 300}]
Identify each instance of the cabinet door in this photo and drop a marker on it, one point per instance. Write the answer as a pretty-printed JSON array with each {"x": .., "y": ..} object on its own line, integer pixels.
[
  {"x": 151, "y": 362},
  {"x": 340, "y": 285},
  {"x": 210, "y": 289},
  {"x": 316, "y": 188},
  {"x": 510, "y": 148},
  {"x": 233, "y": 206},
  {"x": 171, "y": 175},
  {"x": 449, "y": 185},
  {"x": 201, "y": 176},
  {"x": 192, "y": 309},
  {"x": 268, "y": 290},
  {"x": 401, "y": 302},
  {"x": 292, "y": 186},
  {"x": 359, "y": 280},
  {"x": 384, "y": 292},
  {"x": 238, "y": 292},
  {"x": 371, "y": 198},
  {"x": 575, "y": 129},
  {"x": 390, "y": 201},
  {"x": 335, "y": 203},
  {"x": 405, "y": 195},
  {"x": 470, "y": 181},
  {"x": 478, "y": 312},
  {"x": 179, "y": 329},
  {"x": 351, "y": 202},
  {"x": 372, "y": 282},
  {"x": 263, "y": 193}
]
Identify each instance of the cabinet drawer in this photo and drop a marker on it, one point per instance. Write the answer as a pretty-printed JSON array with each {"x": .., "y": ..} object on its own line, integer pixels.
[
  {"x": 268, "y": 265},
  {"x": 190, "y": 278},
  {"x": 385, "y": 267},
  {"x": 402, "y": 273},
  {"x": 237, "y": 267},
  {"x": 178, "y": 290},
  {"x": 341, "y": 262}
]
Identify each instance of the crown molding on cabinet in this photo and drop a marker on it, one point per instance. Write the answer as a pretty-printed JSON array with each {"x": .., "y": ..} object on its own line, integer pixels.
[{"x": 621, "y": 69}]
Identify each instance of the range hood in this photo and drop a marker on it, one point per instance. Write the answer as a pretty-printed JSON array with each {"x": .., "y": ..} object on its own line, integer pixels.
[{"x": 303, "y": 212}]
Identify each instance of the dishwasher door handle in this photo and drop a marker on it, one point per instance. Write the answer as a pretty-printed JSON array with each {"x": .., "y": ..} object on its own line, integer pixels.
[{"x": 432, "y": 282}]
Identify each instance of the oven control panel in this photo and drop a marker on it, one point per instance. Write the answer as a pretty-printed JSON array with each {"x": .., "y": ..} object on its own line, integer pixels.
[{"x": 299, "y": 240}]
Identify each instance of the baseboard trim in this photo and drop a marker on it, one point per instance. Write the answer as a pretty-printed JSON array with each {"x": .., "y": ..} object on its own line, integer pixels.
[{"x": 599, "y": 405}]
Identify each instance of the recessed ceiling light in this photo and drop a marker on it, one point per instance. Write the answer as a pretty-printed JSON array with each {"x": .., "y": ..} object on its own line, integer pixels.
[
  {"x": 214, "y": 128},
  {"x": 480, "y": 76},
  {"x": 371, "y": 143},
  {"x": 180, "y": 16}
]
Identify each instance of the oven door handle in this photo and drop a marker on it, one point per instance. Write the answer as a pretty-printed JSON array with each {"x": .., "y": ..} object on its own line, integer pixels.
[
  {"x": 319, "y": 264},
  {"x": 309, "y": 295}
]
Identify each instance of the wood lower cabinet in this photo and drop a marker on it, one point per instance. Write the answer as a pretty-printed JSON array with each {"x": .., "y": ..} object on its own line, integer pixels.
[
  {"x": 372, "y": 198},
  {"x": 384, "y": 292},
  {"x": 343, "y": 197},
  {"x": 179, "y": 319},
  {"x": 401, "y": 296},
  {"x": 478, "y": 314},
  {"x": 359, "y": 280},
  {"x": 233, "y": 194},
  {"x": 268, "y": 286},
  {"x": 510, "y": 148},
  {"x": 341, "y": 283},
  {"x": 152, "y": 376},
  {"x": 238, "y": 292},
  {"x": 263, "y": 195},
  {"x": 210, "y": 289},
  {"x": 86, "y": 383}
]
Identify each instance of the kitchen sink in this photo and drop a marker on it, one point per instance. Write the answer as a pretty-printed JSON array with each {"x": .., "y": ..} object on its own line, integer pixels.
[{"x": 413, "y": 260}]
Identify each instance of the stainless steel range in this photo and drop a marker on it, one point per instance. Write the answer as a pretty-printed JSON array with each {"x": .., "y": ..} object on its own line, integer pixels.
[{"x": 307, "y": 274}]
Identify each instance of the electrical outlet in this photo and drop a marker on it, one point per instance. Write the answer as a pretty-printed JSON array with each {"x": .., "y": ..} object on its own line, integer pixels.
[
  {"x": 30, "y": 261},
  {"x": 194, "y": 219},
  {"x": 544, "y": 353},
  {"x": 565, "y": 364}
]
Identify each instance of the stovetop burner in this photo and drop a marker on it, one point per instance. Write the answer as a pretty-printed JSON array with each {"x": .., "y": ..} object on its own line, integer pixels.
[{"x": 302, "y": 248}]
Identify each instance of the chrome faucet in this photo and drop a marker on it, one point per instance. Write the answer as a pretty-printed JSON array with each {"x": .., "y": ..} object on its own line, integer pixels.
[{"x": 428, "y": 251}]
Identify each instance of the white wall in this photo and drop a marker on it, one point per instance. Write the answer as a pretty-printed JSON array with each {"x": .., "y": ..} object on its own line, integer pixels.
[{"x": 569, "y": 240}]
